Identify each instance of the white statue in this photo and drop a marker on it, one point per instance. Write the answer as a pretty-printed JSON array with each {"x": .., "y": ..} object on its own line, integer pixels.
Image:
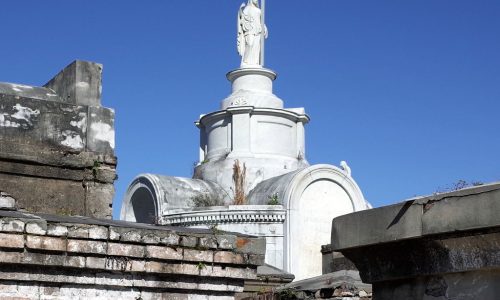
[
  {"x": 345, "y": 167},
  {"x": 251, "y": 34}
]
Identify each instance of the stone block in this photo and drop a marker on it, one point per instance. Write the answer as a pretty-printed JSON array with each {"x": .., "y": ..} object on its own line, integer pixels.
[
  {"x": 127, "y": 250},
  {"x": 74, "y": 261},
  {"x": 227, "y": 257},
  {"x": 208, "y": 242},
  {"x": 170, "y": 239},
  {"x": 256, "y": 259},
  {"x": 131, "y": 236},
  {"x": 115, "y": 280},
  {"x": 57, "y": 230},
  {"x": 47, "y": 195},
  {"x": 11, "y": 257},
  {"x": 150, "y": 238},
  {"x": 11, "y": 240},
  {"x": 45, "y": 243},
  {"x": 194, "y": 269},
  {"x": 78, "y": 231},
  {"x": 188, "y": 241},
  {"x": 162, "y": 252},
  {"x": 48, "y": 292},
  {"x": 401, "y": 220},
  {"x": 7, "y": 201},
  {"x": 454, "y": 212},
  {"x": 98, "y": 199},
  {"x": 86, "y": 246},
  {"x": 198, "y": 255},
  {"x": 43, "y": 259},
  {"x": 78, "y": 83},
  {"x": 8, "y": 287},
  {"x": 137, "y": 265},
  {"x": 251, "y": 245},
  {"x": 98, "y": 232},
  {"x": 39, "y": 228},
  {"x": 114, "y": 234},
  {"x": 226, "y": 241},
  {"x": 157, "y": 296},
  {"x": 95, "y": 262},
  {"x": 13, "y": 226},
  {"x": 101, "y": 133}
]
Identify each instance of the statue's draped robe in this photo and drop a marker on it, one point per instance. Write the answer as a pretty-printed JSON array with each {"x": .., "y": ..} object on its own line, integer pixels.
[{"x": 251, "y": 28}]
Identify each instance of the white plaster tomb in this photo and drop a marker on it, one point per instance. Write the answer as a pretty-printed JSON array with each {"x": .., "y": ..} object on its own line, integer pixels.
[{"x": 266, "y": 142}]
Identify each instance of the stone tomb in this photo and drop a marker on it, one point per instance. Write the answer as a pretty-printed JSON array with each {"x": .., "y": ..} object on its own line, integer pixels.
[
  {"x": 253, "y": 175},
  {"x": 57, "y": 140},
  {"x": 443, "y": 246},
  {"x": 59, "y": 257},
  {"x": 286, "y": 200}
]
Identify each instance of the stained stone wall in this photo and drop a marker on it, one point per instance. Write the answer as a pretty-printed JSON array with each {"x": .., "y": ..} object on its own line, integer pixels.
[
  {"x": 56, "y": 257},
  {"x": 444, "y": 246},
  {"x": 57, "y": 141}
]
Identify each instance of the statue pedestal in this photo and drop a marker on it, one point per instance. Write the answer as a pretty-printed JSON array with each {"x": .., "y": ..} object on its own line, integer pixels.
[{"x": 252, "y": 87}]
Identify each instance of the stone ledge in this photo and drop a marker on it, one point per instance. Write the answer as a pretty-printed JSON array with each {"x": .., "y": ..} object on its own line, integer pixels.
[
  {"x": 226, "y": 214},
  {"x": 463, "y": 210},
  {"x": 109, "y": 280},
  {"x": 44, "y": 256},
  {"x": 90, "y": 235},
  {"x": 442, "y": 245}
]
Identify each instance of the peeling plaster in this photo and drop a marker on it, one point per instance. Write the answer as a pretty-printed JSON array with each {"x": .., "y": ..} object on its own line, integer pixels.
[
  {"x": 104, "y": 132},
  {"x": 72, "y": 139},
  {"x": 20, "y": 116},
  {"x": 24, "y": 113},
  {"x": 80, "y": 124},
  {"x": 7, "y": 123}
]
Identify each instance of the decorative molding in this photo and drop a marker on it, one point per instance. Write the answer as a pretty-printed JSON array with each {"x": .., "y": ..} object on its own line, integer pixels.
[
  {"x": 239, "y": 101},
  {"x": 225, "y": 215}
]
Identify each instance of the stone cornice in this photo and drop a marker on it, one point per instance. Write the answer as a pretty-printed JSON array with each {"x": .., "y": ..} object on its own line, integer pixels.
[{"x": 226, "y": 214}]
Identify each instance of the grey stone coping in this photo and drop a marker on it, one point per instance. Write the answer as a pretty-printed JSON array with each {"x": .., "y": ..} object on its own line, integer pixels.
[
  {"x": 106, "y": 222},
  {"x": 28, "y": 91},
  {"x": 463, "y": 210},
  {"x": 344, "y": 278},
  {"x": 95, "y": 244},
  {"x": 268, "y": 271}
]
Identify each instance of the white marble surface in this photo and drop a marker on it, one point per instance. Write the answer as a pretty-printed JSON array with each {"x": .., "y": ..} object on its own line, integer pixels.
[{"x": 251, "y": 30}]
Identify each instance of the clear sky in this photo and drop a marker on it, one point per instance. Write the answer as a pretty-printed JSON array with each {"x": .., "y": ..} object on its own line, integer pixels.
[{"x": 407, "y": 92}]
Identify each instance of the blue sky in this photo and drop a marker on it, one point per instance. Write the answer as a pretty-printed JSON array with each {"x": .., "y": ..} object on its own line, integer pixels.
[{"x": 407, "y": 92}]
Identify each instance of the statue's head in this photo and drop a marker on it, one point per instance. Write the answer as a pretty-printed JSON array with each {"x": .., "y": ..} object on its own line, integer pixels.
[{"x": 254, "y": 2}]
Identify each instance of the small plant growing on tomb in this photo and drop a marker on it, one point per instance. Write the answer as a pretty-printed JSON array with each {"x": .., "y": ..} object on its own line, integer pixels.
[
  {"x": 64, "y": 211},
  {"x": 459, "y": 185},
  {"x": 201, "y": 265},
  {"x": 205, "y": 199},
  {"x": 239, "y": 174},
  {"x": 215, "y": 229},
  {"x": 95, "y": 167},
  {"x": 273, "y": 199},
  {"x": 287, "y": 294},
  {"x": 300, "y": 156}
]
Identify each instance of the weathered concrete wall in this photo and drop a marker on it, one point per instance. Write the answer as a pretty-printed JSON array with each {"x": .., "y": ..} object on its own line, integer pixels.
[
  {"x": 58, "y": 257},
  {"x": 54, "y": 145},
  {"x": 445, "y": 246}
]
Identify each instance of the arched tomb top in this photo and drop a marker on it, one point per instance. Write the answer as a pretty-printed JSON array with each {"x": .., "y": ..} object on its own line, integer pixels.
[
  {"x": 151, "y": 196},
  {"x": 287, "y": 188}
]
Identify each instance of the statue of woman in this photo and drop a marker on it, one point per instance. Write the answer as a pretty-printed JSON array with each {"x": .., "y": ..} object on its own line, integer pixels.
[{"x": 250, "y": 30}]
